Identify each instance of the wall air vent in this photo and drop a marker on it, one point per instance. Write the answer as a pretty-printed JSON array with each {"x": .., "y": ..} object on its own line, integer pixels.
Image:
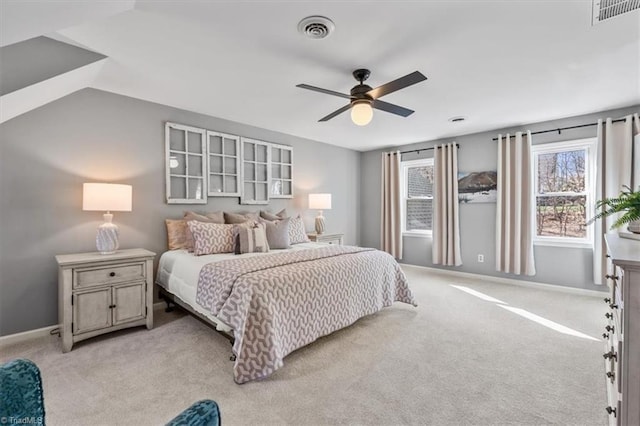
[
  {"x": 317, "y": 27},
  {"x": 607, "y": 9}
]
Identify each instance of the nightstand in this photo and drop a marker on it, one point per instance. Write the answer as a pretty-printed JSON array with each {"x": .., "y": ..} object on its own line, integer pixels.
[
  {"x": 100, "y": 293},
  {"x": 326, "y": 238}
]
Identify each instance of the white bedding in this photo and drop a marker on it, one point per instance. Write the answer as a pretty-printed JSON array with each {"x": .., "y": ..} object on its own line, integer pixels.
[{"x": 179, "y": 270}]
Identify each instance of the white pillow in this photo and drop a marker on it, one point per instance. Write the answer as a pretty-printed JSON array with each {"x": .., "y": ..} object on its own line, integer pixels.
[{"x": 211, "y": 238}]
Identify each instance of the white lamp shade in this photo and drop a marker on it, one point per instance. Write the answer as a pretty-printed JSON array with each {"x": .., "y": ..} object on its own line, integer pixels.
[
  {"x": 106, "y": 197},
  {"x": 361, "y": 113},
  {"x": 320, "y": 201}
]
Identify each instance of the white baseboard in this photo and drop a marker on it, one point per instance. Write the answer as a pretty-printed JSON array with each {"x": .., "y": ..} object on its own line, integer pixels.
[
  {"x": 26, "y": 335},
  {"x": 511, "y": 281},
  {"x": 45, "y": 331}
]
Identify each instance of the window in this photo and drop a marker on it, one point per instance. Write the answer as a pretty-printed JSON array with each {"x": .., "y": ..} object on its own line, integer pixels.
[
  {"x": 564, "y": 189},
  {"x": 416, "y": 182}
]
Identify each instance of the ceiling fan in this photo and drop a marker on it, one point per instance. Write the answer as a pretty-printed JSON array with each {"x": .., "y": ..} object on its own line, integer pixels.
[{"x": 363, "y": 98}]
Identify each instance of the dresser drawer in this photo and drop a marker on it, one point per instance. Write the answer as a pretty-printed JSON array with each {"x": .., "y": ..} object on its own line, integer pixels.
[{"x": 90, "y": 277}]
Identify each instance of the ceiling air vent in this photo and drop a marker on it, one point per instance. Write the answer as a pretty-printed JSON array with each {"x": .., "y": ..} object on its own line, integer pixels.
[
  {"x": 607, "y": 9},
  {"x": 317, "y": 27}
]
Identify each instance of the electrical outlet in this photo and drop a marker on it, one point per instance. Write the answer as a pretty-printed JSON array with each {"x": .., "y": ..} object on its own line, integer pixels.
[{"x": 480, "y": 258}]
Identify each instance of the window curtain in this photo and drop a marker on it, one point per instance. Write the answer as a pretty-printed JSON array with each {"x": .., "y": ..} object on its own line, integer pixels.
[
  {"x": 391, "y": 234},
  {"x": 515, "y": 218},
  {"x": 614, "y": 168},
  {"x": 446, "y": 227}
]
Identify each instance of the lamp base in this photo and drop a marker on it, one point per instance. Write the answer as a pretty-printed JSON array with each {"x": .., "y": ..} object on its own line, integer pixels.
[
  {"x": 107, "y": 236},
  {"x": 320, "y": 225}
]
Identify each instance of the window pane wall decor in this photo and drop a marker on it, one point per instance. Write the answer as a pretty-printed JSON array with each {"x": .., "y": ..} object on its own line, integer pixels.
[
  {"x": 201, "y": 163},
  {"x": 185, "y": 164}
]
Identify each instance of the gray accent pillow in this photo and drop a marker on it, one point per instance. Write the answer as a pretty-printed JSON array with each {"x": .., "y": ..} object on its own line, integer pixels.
[
  {"x": 270, "y": 216},
  {"x": 235, "y": 218},
  {"x": 277, "y": 233}
]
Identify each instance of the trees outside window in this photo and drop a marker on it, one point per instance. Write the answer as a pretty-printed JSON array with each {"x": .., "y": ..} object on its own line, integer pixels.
[{"x": 563, "y": 179}]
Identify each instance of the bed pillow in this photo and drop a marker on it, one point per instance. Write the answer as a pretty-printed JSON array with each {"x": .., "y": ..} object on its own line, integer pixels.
[
  {"x": 270, "y": 216},
  {"x": 211, "y": 238},
  {"x": 277, "y": 233},
  {"x": 236, "y": 218},
  {"x": 177, "y": 234},
  {"x": 297, "y": 233},
  {"x": 212, "y": 217},
  {"x": 253, "y": 239}
]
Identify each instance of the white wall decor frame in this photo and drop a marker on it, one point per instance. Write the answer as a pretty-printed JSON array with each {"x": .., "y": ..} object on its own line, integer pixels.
[
  {"x": 185, "y": 164},
  {"x": 224, "y": 178},
  {"x": 281, "y": 183},
  {"x": 256, "y": 171}
]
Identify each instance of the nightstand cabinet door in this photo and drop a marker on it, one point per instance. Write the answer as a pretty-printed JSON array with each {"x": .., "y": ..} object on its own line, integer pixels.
[
  {"x": 91, "y": 310},
  {"x": 128, "y": 301}
]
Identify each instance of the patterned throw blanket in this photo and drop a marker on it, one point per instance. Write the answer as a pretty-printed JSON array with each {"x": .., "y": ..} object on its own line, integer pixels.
[{"x": 280, "y": 302}]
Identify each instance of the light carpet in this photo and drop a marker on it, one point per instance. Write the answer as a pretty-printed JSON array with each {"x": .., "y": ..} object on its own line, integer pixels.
[{"x": 454, "y": 360}]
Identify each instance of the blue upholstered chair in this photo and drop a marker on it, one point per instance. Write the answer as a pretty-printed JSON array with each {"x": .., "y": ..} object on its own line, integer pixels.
[
  {"x": 22, "y": 400},
  {"x": 202, "y": 413}
]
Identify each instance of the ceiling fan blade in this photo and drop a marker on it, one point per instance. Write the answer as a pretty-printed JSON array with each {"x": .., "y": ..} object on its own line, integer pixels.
[
  {"x": 334, "y": 113},
  {"x": 321, "y": 90},
  {"x": 401, "y": 83},
  {"x": 393, "y": 109}
]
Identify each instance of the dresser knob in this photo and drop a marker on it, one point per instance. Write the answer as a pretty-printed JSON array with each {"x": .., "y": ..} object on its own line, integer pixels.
[
  {"x": 607, "y": 300},
  {"x": 611, "y": 410},
  {"x": 610, "y": 374},
  {"x": 605, "y": 336},
  {"x": 610, "y": 355},
  {"x": 609, "y": 328},
  {"x": 613, "y": 277},
  {"x": 613, "y": 306},
  {"x": 608, "y": 315},
  {"x": 112, "y": 274},
  {"x": 112, "y": 306}
]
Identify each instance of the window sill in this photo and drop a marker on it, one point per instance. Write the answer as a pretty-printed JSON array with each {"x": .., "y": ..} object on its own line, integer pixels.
[
  {"x": 417, "y": 234},
  {"x": 566, "y": 244}
]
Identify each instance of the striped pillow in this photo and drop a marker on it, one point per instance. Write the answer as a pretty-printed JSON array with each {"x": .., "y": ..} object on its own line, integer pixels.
[
  {"x": 253, "y": 239},
  {"x": 211, "y": 238}
]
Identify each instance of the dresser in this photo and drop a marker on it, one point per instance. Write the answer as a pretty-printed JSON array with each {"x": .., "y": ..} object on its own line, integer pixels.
[
  {"x": 100, "y": 293},
  {"x": 622, "y": 331},
  {"x": 326, "y": 238}
]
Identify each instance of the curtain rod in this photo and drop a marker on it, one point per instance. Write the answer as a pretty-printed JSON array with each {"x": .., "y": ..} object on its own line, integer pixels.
[
  {"x": 560, "y": 129},
  {"x": 421, "y": 149}
]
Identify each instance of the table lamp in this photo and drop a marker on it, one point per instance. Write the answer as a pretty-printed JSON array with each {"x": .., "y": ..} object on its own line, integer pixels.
[
  {"x": 320, "y": 202},
  {"x": 106, "y": 197}
]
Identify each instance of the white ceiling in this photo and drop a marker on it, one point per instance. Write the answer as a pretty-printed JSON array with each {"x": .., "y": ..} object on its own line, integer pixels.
[{"x": 498, "y": 63}]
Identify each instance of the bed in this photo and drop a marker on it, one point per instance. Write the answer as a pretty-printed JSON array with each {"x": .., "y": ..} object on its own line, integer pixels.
[{"x": 274, "y": 303}]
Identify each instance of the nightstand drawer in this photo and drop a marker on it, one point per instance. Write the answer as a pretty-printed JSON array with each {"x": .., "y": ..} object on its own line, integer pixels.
[{"x": 108, "y": 275}]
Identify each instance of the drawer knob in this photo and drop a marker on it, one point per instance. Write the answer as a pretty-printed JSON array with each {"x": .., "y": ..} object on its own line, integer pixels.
[
  {"x": 611, "y": 410},
  {"x": 608, "y": 315},
  {"x": 112, "y": 306},
  {"x": 607, "y": 300},
  {"x": 613, "y": 306},
  {"x": 610, "y": 328},
  {"x": 611, "y": 374},
  {"x": 112, "y": 274},
  {"x": 613, "y": 277},
  {"x": 610, "y": 355},
  {"x": 605, "y": 336}
]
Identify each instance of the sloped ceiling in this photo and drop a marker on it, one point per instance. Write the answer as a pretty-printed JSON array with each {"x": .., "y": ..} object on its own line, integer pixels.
[{"x": 497, "y": 63}]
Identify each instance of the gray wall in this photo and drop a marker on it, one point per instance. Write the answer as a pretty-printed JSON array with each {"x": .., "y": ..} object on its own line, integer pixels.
[
  {"x": 95, "y": 136},
  {"x": 478, "y": 152}
]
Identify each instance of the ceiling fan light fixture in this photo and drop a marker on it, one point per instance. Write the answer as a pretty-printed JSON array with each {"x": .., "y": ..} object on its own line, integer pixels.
[{"x": 361, "y": 113}]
